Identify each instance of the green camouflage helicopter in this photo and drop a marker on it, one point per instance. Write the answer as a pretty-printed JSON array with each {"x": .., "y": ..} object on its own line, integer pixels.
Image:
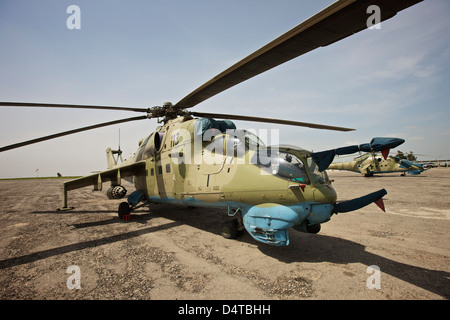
[
  {"x": 373, "y": 163},
  {"x": 204, "y": 162}
]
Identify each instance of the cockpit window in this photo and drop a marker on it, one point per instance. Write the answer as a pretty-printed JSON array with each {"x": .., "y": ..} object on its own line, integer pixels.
[
  {"x": 317, "y": 176},
  {"x": 240, "y": 141},
  {"x": 282, "y": 164}
]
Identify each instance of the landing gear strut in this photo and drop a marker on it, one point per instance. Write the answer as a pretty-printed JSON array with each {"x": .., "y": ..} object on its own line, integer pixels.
[{"x": 231, "y": 228}]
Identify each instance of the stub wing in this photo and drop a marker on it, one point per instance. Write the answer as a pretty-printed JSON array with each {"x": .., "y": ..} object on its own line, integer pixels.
[
  {"x": 358, "y": 203},
  {"x": 96, "y": 180}
]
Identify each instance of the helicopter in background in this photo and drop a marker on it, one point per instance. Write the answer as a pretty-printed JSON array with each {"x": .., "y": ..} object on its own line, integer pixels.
[
  {"x": 195, "y": 160},
  {"x": 372, "y": 163}
]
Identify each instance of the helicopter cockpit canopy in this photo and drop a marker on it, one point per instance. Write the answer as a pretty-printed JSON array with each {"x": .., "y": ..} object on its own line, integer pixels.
[
  {"x": 238, "y": 141},
  {"x": 282, "y": 164},
  {"x": 287, "y": 165},
  {"x": 241, "y": 141},
  {"x": 202, "y": 125}
]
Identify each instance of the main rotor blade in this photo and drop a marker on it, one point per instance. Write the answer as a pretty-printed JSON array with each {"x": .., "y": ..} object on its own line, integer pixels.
[
  {"x": 57, "y": 135},
  {"x": 336, "y": 22},
  {"x": 74, "y": 106},
  {"x": 269, "y": 120}
]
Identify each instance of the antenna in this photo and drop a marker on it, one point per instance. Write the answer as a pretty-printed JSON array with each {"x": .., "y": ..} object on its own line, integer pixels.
[{"x": 118, "y": 152}]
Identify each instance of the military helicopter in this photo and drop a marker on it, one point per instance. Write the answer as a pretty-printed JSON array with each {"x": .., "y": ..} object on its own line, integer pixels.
[
  {"x": 374, "y": 163},
  {"x": 204, "y": 162}
]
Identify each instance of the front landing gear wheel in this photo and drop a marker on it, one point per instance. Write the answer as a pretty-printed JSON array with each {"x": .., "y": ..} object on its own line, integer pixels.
[
  {"x": 314, "y": 228},
  {"x": 124, "y": 210},
  {"x": 229, "y": 229}
]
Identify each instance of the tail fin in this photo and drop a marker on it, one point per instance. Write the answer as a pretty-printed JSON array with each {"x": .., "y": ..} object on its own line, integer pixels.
[{"x": 112, "y": 162}]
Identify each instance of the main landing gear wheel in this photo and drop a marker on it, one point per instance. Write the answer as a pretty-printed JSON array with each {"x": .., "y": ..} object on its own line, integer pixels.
[
  {"x": 124, "y": 210},
  {"x": 230, "y": 229}
]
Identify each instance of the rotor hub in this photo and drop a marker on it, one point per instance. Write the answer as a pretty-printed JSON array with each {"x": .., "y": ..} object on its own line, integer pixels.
[{"x": 167, "y": 112}]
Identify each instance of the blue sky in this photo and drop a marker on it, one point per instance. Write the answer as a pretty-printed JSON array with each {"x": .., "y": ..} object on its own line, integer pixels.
[{"x": 387, "y": 82}]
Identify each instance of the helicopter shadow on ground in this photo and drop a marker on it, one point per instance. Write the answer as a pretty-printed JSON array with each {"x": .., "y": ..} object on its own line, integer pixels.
[
  {"x": 137, "y": 218},
  {"x": 40, "y": 255},
  {"x": 72, "y": 212},
  {"x": 206, "y": 219},
  {"x": 322, "y": 248},
  {"x": 314, "y": 248},
  {"x": 303, "y": 247}
]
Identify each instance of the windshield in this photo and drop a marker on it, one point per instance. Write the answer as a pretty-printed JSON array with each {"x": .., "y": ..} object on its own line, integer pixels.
[
  {"x": 282, "y": 164},
  {"x": 317, "y": 176}
]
